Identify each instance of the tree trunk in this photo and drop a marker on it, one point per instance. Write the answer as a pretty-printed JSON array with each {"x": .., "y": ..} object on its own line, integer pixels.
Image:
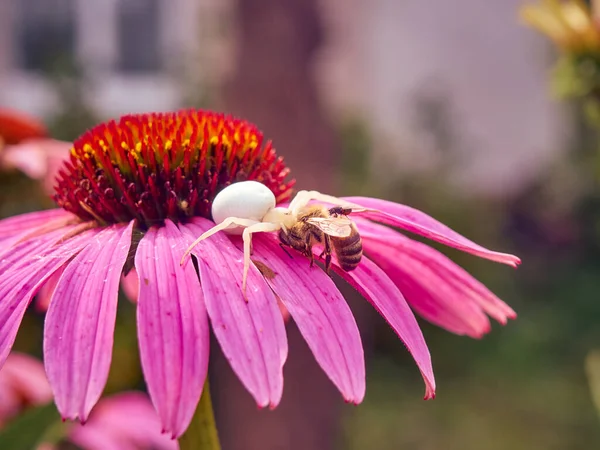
[{"x": 274, "y": 88}]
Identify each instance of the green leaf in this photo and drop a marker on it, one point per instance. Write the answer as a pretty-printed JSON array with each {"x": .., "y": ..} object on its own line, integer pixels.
[
  {"x": 202, "y": 433},
  {"x": 29, "y": 429}
]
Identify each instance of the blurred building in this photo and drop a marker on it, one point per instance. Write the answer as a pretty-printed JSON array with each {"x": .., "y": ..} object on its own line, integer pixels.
[
  {"x": 441, "y": 81},
  {"x": 435, "y": 81},
  {"x": 135, "y": 55}
]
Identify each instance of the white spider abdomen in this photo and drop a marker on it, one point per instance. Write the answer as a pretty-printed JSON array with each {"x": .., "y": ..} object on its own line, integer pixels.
[{"x": 245, "y": 200}]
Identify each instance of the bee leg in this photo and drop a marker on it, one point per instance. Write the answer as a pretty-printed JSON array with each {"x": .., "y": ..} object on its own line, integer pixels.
[
  {"x": 327, "y": 252},
  {"x": 308, "y": 248},
  {"x": 308, "y": 252},
  {"x": 247, "y": 237}
]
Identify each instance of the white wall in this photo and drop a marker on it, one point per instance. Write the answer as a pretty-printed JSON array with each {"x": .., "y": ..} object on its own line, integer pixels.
[{"x": 493, "y": 69}]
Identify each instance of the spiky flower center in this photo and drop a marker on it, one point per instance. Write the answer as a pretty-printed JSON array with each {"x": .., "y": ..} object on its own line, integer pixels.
[{"x": 151, "y": 167}]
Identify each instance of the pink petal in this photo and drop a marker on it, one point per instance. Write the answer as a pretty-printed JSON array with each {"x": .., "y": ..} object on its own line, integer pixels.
[
  {"x": 428, "y": 293},
  {"x": 25, "y": 223},
  {"x": 126, "y": 419},
  {"x": 131, "y": 285},
  {"x": 11, "y": 255},
  {"x": 173, "y": 329},
  {"x": 79, "y": 327},
  {"x": 416, "y": 263},
  {"x": 417, "y": 222},
  {"x": 22, "y": 278},
  {"x": 321, "y": 313},
  {"x": 251, "y": 333},
  {"x": 385, "y": 297}
]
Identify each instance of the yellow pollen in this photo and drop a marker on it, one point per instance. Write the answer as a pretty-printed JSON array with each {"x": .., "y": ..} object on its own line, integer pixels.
[
  {"x": 138, "y": 147},
  {"x": 124, "y": 145},
  {"x": 186, "y": 143},
  {"x": 135, "y": 154},
  {"x": 214, "y": 140},
  {"x": 168, "y": 145},
  {"x": 225, "y": 140}
]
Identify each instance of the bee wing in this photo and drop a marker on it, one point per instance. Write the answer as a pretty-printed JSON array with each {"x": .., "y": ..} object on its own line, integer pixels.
[{"x": 333, "y": 226}]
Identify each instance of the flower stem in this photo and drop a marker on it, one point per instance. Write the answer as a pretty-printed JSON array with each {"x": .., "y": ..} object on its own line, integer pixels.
[{"x": 202, "y": 433}]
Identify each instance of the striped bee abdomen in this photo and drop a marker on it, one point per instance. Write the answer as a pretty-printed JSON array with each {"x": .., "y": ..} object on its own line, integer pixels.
[{"x": 348, "y": 250}]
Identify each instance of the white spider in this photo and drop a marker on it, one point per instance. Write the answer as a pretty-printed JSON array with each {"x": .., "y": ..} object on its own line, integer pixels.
[{"x": 249, "y": 207}]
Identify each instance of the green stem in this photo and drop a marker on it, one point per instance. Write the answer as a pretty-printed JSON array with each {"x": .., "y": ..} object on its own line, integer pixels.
[{"x": 202, "y": 433}]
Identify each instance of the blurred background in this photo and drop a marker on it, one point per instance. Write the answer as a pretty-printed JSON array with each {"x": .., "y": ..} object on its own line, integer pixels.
[{"x": 444, "y": 106}]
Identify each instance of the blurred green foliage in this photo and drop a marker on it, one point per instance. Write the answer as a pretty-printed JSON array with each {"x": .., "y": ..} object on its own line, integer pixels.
[{"x": 34, "y": 426}]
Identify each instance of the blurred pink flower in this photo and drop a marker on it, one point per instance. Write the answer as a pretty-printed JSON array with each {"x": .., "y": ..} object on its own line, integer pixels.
[
  {"x": 24, "y": 146},
  {"x": 39, "y": 158},
  {"x": 137, "y": 193},
  {"x": 124, "y": 421},
  {"x": 131, "y": 285},
  {"x": 22, "y": 383},
  {"x": 121, "y": 422}
]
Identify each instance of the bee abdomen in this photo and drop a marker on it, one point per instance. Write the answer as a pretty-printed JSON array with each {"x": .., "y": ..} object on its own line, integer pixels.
[{"x": 348, "y": 251}]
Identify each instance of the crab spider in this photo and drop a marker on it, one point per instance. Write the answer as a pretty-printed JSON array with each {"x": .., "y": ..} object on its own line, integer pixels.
[{"x": 248, "y": 207}]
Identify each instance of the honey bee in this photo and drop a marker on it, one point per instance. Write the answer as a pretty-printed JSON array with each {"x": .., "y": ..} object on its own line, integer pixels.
[{"x": 318, "y": 225}]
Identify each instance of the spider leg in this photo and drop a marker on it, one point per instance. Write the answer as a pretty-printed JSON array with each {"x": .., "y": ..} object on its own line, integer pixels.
[
  {"x": 303, "y": 198},
  {"x": 257, "y": 227},
  {"x": 227, "y": 223}
]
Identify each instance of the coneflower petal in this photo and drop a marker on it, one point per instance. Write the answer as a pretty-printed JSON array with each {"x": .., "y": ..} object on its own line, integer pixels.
[
  {"x": 79, "y": 326},
  {"x": 251, "y": 331},
  {"x": 456, "y": 293},
  {"x": 321, "y": 313},
  {"x": 13, "y": 255},
  {"x": 460, "y": 279},
  {"x": 417, "y": 222},
  {"x": 173, "y": 329},
  {"x": 430, "y": 295},
  {"x": 382, "y": 293},
  {"x": 24, "y": 277},
  {"x": 27, "y": 223}
]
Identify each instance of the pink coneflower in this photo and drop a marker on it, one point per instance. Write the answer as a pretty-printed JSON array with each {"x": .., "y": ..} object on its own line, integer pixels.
[
  {"x": 123, "y": 421},
  {"x": 24, "y": 146},
  {"x": 22, "y": 384},
  {"x": 39, "y": 159},
  {"x": 137, "y": 193}
]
